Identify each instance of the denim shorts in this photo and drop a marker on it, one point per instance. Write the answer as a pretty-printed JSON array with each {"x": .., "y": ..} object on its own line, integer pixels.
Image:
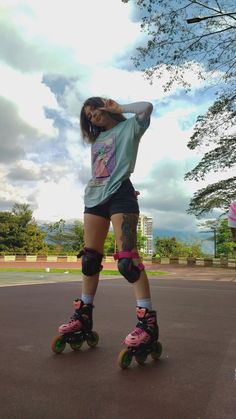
[{"x": 123, "y": 201}]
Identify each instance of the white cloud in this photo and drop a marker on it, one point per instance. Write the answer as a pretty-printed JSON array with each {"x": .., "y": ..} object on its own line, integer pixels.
[
  {"x": 12, "y": 193},
  {"x": 113, "y": 82},
  {"x": 30, "y": 96},
  {"x": 80, "y": 28},
  {"x": 63, "y": 199},
  {"x": 88, "y": 44},
  {"x": 24, "y": 170}
]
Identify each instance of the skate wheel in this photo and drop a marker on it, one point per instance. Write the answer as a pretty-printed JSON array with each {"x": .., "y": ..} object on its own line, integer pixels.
[
  {"x": 156, "y": 350},
  {"x": 58, "y": 345},
  {"x": 141, "y": 358},
  {"x": 124, "y": 358},
  {"x": 76, "y": 345},
  {"x": 93, "y": 339}
]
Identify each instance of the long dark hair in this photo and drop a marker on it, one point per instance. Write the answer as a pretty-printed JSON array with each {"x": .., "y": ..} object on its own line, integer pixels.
[{"x": 90, "y": 131}]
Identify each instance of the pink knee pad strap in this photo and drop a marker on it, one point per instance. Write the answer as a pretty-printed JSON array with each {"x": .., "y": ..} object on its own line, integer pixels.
[{"x": 127, "y": 254}]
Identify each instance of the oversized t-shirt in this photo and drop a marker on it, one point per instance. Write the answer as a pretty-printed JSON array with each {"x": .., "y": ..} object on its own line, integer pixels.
[{"x": 113, "y": 158}]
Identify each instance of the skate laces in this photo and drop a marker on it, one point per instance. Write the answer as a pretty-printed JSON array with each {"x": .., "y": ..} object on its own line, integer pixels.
[
  {"x": 74, "y": 317},
  {"x": 79, "y": 316},
  {"x": 140, "y": 327},
  {"x": 145, "y": 325},
  {"x": 137, "y": 331},
  {"x": 82, "y": 312}
]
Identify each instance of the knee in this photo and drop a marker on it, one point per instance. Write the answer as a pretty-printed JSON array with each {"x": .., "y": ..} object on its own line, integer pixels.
[
  {"x": 126, "y": 266},
  {"x": 91, "y": 261}
]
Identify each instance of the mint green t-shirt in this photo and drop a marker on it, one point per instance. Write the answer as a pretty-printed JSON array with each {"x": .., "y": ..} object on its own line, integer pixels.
[{"x": 113, "y": 158}]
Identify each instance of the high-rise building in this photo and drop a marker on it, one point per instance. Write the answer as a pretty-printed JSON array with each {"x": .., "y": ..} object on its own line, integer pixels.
[{"x": 145, "y": 225}]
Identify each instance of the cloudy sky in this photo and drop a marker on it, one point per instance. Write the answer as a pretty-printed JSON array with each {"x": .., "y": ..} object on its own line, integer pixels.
[{"x": 54, "y": 55}]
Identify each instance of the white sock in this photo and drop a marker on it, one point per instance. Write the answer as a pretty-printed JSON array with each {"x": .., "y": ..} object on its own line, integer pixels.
[
  {"x": 87, "y": 299},
  {"x": 145, "y": 303}
]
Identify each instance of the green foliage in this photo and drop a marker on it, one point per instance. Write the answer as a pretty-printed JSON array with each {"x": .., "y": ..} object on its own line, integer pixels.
[
  {"x": 64, "y": 239},
  {"x": 173, "y": 46},
  {"x": 170, "y": 247},
  {"x": 141, "y": 242},
  {"x": 224, "y": 242},
  {"x": 19, "y": 233},
  {"x": 211, "y": 129},
  {"x": 23, "y": 212},
  {"x": 216, "y": 195},
  {"x": 221, "y": 233},
  {"x": 109, "y": 246},
  {"x": 77, "y": 235}
]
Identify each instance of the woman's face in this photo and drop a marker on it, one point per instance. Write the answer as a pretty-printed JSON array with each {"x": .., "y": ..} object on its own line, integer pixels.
[{"x": 96, "y": 116}]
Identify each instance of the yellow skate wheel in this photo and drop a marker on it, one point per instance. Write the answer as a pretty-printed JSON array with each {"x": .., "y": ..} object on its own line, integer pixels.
[
  {"x": 124, "y": 358},
  {"x": 140, "y": 358},
  {"x": 58, "y": 345},
  {"x": 156, "y": 350},
  {"x": 93, "y": 339}
]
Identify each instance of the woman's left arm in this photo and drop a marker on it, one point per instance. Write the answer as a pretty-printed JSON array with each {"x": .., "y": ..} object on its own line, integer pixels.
[{"x": 143, "y": 110}]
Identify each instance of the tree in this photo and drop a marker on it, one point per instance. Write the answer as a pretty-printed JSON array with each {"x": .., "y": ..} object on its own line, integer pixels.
[
  {"x": 221, "y": 236},
  {"x": 8, "y": 232},
  {"x": 77, "y": 235},
  {"x": 23, "y": 212},
  {"x": 224, "y": 243},
  {"x": 19, "y": 232},
  {"x": 208, "y": 46},
  {"x": 141, "y": 241},
  {"x": 56, "y": 232},
  {"x": 66, "y": 238},
  {"x": 173, "y": 45},
  {"x": 109, "y": 246},
  {"x": 170, "y": 247},
  {"x": 212, "y": 129}
]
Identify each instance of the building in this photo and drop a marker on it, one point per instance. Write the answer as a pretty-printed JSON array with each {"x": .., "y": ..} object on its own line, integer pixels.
[{"x": 145, "y": 226}]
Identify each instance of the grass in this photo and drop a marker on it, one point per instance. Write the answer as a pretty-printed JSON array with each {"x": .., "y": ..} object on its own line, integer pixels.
[{"x": 73, "y": 271}]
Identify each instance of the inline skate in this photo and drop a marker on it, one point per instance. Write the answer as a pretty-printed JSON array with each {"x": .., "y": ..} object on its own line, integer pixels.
[
  {"x": 142, "y": 341},
  {"x": 77, "y": 330}
]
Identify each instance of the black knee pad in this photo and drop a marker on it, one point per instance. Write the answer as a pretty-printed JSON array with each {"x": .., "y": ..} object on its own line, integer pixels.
[
  {"x": 129, "y": 270},
  {"x": 91, "y": 261},
  {"x": 126, "y": 266}
]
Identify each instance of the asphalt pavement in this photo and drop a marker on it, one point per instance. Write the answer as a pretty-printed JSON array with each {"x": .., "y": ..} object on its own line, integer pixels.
[{"x": 194, "y": 379}]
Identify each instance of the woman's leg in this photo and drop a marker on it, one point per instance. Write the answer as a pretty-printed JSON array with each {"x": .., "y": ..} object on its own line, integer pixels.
[
  {"x": 95, "y": 232},
  {"x": 147, "y": 330},
  {"x": 125, "y": 229}
]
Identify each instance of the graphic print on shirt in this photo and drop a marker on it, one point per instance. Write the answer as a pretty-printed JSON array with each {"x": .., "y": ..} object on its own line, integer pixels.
[{"x": 103, "y": 161}]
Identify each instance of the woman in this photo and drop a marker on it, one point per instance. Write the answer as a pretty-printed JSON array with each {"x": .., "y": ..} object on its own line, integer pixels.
[{"x": 110, "y": 197}]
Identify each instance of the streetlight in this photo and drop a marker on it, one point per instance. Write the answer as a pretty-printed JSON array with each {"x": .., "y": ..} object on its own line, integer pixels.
[{"x": 200, "y": 18}]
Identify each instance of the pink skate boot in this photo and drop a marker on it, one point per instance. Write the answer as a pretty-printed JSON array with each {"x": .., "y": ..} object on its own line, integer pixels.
[
  {"x": 146, "y": 329},
  {"x": 142, "y": 341},
  {"x": 81, "y": 319},
  {"x": 77, "y": 330}
]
